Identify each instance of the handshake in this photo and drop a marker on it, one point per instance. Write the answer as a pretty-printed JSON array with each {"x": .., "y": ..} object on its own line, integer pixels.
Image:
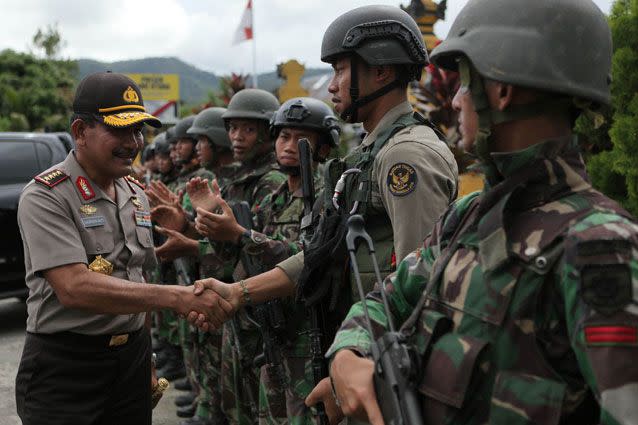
[{"x": 209, "y": 303}]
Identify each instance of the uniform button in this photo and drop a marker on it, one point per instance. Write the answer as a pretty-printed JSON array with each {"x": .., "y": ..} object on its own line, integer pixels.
[
  {"x": 529, "y": 251},
  {"x": 541, "y": 262},
  {"x": 148, "y": 239},
  {"x": 98, "y": 248}
]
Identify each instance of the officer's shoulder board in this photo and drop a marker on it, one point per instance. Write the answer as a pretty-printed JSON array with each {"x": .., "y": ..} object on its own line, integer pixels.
[
  {"x": 136, "y": 182},
  {"x": 51, "y": 178}
]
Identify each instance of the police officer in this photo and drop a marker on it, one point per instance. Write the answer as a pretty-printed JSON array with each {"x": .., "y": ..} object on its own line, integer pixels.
[
  {"x": 87, "y": 242},
  {"x": 400, "y": 167},
  {"x": 522, "y": 301}
]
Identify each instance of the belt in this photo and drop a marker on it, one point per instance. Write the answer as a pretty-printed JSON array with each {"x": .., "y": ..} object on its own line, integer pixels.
[{"x": 97, "y": 341}]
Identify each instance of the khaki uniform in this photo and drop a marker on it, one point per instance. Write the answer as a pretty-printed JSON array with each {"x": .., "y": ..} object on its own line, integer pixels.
[
  {"x": 429, "y": 191},
  {"x": 74, "y": 222}
]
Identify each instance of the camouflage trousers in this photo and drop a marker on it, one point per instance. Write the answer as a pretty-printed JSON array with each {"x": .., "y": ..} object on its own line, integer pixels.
[
  {"x": 298, "y": 366},
  {"x": 240, "y": 378},
  {"x": 210, "y": 377},
  {"x": 188, "y": 340}
]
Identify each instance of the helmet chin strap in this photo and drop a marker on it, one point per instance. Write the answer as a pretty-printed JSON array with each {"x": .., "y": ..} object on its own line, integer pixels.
[
  {"x": 289, "y": 169},
  {"x": 351, "y": 113}
]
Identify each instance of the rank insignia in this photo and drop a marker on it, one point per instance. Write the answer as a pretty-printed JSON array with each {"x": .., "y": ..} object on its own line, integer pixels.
[
  {"x": 51, "y": 178},
  {"x": 88, "y": 209},
  {"x": 100, "y": 265},
  {"x": 138, "y": 204},
  {"x": 143, "y": 218},
  {"x": 607, "y": 288},
  {"x": 401, "y": 179},
  {"x": 136, "y": 181},
  {"x": 85, "y": 188}
]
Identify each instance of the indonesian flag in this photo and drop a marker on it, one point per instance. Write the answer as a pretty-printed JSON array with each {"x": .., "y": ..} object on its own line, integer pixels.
[{"x": 245, "y": 29}]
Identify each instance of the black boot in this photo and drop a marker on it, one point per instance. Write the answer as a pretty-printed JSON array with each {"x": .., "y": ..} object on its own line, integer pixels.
[
  {"x": 196, "y": 420},
  {"x": 185, "y": 399},
  {"x": 182, "y": 384},
  {"x": 174, "y": 366},
  {"x": 187, "y": 411}
]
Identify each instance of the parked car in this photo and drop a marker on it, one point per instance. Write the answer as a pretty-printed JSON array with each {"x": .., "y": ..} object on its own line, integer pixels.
[{"x": 22, "y": 156}]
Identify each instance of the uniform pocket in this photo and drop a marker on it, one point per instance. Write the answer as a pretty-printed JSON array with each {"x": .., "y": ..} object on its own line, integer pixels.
[
  {"x": 98, "y": 240},
  {"x": 144, "y": 236},
  {"x": 520, "y": 398},
  {"x": 449, "y": 370}
]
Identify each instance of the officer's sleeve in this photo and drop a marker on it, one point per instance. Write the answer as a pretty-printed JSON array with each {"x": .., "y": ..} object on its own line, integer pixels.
[
  {"x": 49, "y": 234},
  {"x": 417, "y": 181},
  {"x": 599, "y": 282}
]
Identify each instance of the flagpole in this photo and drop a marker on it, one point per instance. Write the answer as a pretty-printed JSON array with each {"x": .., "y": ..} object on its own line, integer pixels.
[{"x": 255, "y": 82}]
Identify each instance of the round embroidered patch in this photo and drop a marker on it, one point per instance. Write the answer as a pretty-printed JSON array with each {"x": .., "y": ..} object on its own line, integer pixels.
[{"x": 401, "y": 179}]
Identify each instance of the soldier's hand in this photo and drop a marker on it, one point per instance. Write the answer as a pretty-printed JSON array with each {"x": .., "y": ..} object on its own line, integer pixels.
[
  {"x": 176, "y": 245},
  {"x": 224, "y": 290},
  {"x": 354, "y": 386},
  {"x": 159, "y": 194},
  {"x": 201, "y": 195},
  {"x": 170, "y": 217},
  {"x": 221, "y": 227},
  {"x": 322, "y": 393},
  {"x": 207, "y": 305}
]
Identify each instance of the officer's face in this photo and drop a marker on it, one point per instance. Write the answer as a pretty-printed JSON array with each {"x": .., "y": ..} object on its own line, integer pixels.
[
  {"x": 109, "y": 151},
  {"x": 184, "y": 149},
  {"x": 468, "y": 118},
  {"x": 340, "y": 84},
  {"x": 205, "y": 153},
  {"x": 286, "y": 145},
  {"x": 243, "y": 136}
]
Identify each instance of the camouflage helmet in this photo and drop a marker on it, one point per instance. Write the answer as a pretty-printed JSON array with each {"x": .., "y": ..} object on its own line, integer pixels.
[
  {"x": 562, "y": 47},
  {"x": 170, "y": 135},
  {"x": 181, "y": 128},
  {"x": 209, "y": 123},
  {"x": 380, "y": 35},
  {"x": 147, "y": 153},
  {"x": 252, "y": 104},
  {"x": 162, "y": 147},
  {"x": 307, "y": 113}
]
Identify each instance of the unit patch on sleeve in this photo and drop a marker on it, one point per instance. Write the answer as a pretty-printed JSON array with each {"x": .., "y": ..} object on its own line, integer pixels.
[
  {"x": 51, "y": 178},
  {"x": 607, "y": 288},
  {"x": 401, "y": 179}
]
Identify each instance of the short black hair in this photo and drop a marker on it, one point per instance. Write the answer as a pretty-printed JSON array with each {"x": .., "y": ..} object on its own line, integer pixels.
[{"x": 90, "y": 119}]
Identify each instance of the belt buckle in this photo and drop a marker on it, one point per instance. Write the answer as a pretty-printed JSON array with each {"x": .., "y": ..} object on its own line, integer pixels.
[{"x": 117, "y": 340}]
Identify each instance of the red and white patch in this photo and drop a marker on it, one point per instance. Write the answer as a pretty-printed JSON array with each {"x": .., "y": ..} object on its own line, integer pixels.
[
  {"x": 611, "y": 335},
  {"x": 85, "y": 188},
  {"x": 52, "y": 178}
]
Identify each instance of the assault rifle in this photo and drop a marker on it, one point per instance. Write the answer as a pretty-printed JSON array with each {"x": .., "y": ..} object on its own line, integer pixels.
[
  {"x": 319, "y": 369},
  {"x": 394, "y": 371},
  {"x": 269, "y": 316}
]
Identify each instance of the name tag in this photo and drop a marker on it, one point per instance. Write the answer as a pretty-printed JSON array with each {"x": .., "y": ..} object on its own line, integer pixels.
[
  {"x": 95, "y": 221},
  {"x": 143, "y": 218}
]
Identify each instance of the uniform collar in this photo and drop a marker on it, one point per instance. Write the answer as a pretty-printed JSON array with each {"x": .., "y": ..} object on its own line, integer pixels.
[
  {"x": 88, "y": 191},
  {"x": 388, "y": 119}
]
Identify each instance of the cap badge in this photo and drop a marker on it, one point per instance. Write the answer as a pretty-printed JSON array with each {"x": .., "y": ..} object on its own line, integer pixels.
[{"x": 130, "y": 95}]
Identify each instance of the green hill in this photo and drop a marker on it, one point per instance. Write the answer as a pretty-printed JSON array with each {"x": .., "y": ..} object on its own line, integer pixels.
[{"x": 195, "y": 84}]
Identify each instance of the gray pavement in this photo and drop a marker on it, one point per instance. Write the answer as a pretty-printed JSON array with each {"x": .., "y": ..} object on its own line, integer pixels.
[{"x": 12, "y": 321}]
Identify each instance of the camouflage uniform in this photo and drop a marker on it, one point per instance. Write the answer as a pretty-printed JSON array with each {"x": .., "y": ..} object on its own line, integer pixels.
[
  {"x": 253, "y": 183},
  {"x": 521, "y": 300}
]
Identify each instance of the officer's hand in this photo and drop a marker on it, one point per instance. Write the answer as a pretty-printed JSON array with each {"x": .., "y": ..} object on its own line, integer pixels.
[
  {"x": 170, "y": 217},
  {"x": 353, "y": 380},
  {"x": 322, "y": 393},
  {"x": 176, "y": 245},
  {"x": 221, "y": 227},
  {"x": 227, "y": 291},
  {"x": 201, "y": 195},
  {"x": 213, "y": 309}
]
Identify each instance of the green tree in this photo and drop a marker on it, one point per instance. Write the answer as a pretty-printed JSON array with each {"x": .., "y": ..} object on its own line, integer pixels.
[
  {"x": 49, "y": 40},
  {"x": 613, "y": 148}
]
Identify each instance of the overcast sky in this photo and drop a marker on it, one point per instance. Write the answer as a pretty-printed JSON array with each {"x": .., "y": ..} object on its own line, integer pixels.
[{"x": 199, "y": 32}]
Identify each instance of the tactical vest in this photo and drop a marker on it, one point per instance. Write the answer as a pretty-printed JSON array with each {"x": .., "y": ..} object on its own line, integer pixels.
[
  {"x": 485, "y": 358},
  {"x": 359, "y": 190}
]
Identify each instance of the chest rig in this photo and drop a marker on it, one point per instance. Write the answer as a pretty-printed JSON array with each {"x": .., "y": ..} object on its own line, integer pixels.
[{"x": 355, "y": 191}]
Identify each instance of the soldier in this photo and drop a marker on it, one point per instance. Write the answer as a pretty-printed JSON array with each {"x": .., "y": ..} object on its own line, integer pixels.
[
  {"x": 522, "y": 301},
  {"x": 276, "y": 236},
  {"x": 87, "y": 242},
  {"x": 401, "y": 167}
]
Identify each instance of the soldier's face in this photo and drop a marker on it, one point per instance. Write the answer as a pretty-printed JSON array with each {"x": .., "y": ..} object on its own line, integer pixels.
[
  {"x": 339, "y": 86},
  {"x": 173, "y": 153},
  {"x": 468, "y": 118},
  {"x": 286, "y": 145},
  {"x": 184, "y": 149},
  {"x": 205, "y": 153},
  {"x": 243, "y": 137},
  {"x": 164, "y": 163},
  {"x": 108, "y": 150}
]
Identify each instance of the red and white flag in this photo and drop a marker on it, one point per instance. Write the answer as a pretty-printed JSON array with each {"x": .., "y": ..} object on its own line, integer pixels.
[{"x": 245, "y": 30}]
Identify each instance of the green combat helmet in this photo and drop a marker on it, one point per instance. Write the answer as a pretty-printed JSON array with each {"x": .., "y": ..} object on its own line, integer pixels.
[
  {"x": 160, "y": 142},
  {"x": 253, "y": 104},
  {"x": 308, "y": 113},
  {"x": 170, "y": 135},
  {"x": 180, "y": 133},
  {"x": 563, "y": 48},
  {"x": 210, "y": 123},
  {"x": 378, "y": 35}
]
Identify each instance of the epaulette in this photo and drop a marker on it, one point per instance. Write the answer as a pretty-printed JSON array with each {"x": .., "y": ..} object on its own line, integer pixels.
[
  {"x": 137, "y": 182},
  {"x": 51, "y": 178}
]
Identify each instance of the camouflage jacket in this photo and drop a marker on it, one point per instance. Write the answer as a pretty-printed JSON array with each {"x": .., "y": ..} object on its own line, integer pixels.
[
  {"x": 252, "y": 184},
  {"x": 522, "y": 302}
]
